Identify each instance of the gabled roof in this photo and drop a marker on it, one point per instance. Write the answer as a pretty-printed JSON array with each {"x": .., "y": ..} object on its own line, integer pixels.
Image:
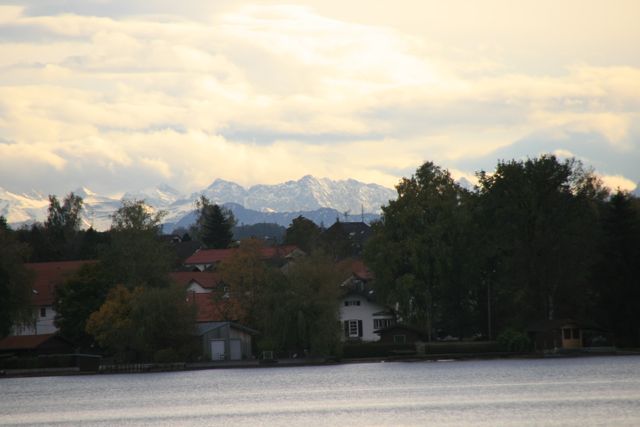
[
  {"x": 213, "y": 256},
  {"x": 206, "y": 279},
  {"x": 49, "y": 275},
  {"x": 203, "y": 328}
]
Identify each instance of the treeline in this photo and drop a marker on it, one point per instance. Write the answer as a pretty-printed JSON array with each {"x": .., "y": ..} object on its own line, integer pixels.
[{"x": 537, "y": 239}]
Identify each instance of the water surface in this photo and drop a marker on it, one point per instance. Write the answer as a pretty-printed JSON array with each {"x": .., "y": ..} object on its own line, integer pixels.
[{"x": 577, "y": 391}]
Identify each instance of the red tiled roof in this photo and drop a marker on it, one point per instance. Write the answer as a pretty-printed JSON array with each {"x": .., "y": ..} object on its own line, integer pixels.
[
  {"x": 206, "y": 309},
  {"x": 23, "y": 342},
  {"x": 206, "y": 279},
  {"x": 359, "y": 269},
  {"x": 212, "y": 256},
  {"x": 49, "y": 275}
]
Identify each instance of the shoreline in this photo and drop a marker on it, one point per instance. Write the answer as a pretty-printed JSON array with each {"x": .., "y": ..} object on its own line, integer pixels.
[{"x": 143, "y": 368}]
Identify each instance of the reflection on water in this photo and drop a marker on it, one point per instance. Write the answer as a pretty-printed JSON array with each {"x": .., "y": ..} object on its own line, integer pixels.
[{"x": 585, "y": 391}]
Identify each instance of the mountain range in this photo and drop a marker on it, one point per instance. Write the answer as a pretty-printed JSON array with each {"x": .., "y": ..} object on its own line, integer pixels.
[{"x": 321, "y": 200}]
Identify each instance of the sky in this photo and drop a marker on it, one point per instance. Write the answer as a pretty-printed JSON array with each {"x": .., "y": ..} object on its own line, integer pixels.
[{"x": 124, "y": 95}]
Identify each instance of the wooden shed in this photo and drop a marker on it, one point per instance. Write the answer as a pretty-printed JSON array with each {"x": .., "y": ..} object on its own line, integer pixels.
[{"x": 225, "y": 340}]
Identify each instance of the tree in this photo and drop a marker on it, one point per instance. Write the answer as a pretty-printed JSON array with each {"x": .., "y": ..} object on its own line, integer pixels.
[
  {"x": 15, "y": 283},
  {"x": 245, "y": 275},
  {"x": 77, "y": 298},
  {"x": 303, "y": 233},
  {"x": 137, "y": 324},
  {"x": 618, "y": 272},
  {"x": 214, "y": 224},
  {"x": 62, "y": 225},
  {"x": 538, "y": 218},
  {"x": 136, "y": 256},
  {"x": 414, "y": 246}
]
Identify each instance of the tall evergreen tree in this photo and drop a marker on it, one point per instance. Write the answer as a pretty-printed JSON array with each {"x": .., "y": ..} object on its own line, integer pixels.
[{"x": 214, "y": 226}]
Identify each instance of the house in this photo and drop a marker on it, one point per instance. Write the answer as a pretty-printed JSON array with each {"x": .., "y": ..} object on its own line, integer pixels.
[
  {"x": 225, "y": 340},
  {"x": 360, "y": 314},
  {"x": 47, "y": 276},
  {"x": 33, "y": 345},
  {"x": 209, "y": 259},
  {"x": 566, "y": 334},
  {"x": 199, "y": 282}
]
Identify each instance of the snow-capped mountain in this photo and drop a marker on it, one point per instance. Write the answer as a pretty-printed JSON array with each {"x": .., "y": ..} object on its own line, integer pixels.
[{"x": 306, "y": 194}]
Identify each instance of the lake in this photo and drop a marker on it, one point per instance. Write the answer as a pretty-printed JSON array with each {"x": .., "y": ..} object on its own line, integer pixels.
[{"x": 531, "y": 392}]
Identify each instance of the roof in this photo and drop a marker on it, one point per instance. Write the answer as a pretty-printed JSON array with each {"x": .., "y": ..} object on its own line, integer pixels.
[
  {"x": 206, "y": 309},
  {"x": 24, "y": 342},
  {"x": 360, "y": 270},
  {"x": 206, "y": 279},
  {"x": 212, "y": 256},
  {"x": 49, "y": 275},
  {"x": 203, "y": 328}
]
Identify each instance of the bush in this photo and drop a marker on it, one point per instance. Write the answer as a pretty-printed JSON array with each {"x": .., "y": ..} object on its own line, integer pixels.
[{"x": 516, "y": 341}]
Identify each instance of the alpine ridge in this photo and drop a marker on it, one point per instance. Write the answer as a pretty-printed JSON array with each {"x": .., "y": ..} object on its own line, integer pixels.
[{"x": 346, "y": 198}]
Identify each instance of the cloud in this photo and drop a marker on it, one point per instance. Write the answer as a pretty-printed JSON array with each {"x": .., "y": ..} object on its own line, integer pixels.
[{"x": 120, "y": 95}]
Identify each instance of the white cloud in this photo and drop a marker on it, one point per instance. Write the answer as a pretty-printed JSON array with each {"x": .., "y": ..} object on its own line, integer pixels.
[{"x": 264, "y": 93}]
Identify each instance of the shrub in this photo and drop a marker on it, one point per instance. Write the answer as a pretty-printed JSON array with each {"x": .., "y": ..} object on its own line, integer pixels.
[
  {"x": 166, "y": 355},
  {"x": 513, "y": 340}
]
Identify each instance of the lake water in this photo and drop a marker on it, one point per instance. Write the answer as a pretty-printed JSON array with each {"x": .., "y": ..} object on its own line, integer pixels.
[{"x": 580, "y": 391}]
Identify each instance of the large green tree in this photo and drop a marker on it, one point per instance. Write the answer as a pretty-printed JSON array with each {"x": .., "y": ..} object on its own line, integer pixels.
[
  {"x": 15, "y": 282},
  {"x": 214, "y": 224},
  {"x": 303, "y": 233},
  {"x": 416, "y": 244},
  {"x": 136, "y": 324},
  {"x": 136, "y": 255},
  {"x": 618, "y": 272},
  {"x": 77, "y": 298},
  {"x": 539, "y": 218},
  {"x": 63, "y": 224}
]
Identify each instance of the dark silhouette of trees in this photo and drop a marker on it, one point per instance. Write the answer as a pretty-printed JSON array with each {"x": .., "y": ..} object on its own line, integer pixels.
[
  {"x": 303, "y": 233},
  {"x": 214, "y": 226},
  {"x": 15, "y": 282}
]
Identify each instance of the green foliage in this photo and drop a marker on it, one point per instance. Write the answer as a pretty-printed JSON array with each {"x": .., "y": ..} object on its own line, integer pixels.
[
  {"x": 167, "y": 355},
  {"x": 539, "y": 219},
  {"x": 62, "y": 226},
  {"x": 414, "y": 247},
  {"x": 514, "y": 340},
  {"x": 136, "y": 256},
  {"x": 303, "y": 233},
  {"x": 214, "y": 224},
  {"x": 618, "y": 272},
  {"x": 15, "y": 283},
  {"x": 77, "y": 298},
  {"x": 143, "y": 321}
]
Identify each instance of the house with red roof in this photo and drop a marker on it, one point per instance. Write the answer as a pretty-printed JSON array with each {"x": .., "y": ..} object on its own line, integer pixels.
[
  {"x": 360, "y": 314},
  {"x": 47, "y": 276},
  {"x": 209, "y": 259}
]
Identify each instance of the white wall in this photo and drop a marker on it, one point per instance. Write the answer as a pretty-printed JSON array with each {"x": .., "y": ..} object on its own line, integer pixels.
[{"x": 364, "y": 312}]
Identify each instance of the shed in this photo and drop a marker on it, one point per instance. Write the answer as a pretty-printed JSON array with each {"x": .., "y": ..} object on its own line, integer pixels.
[
  {"x": 225, "y": 340},
  {"x": 34, "y": 345},
  {"x": 565, "y": 334}
]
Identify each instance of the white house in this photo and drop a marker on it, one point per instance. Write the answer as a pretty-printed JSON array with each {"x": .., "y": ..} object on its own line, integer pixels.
[
  {"x": 360, "y": 315},
  {"x": 47, "y": 276}
]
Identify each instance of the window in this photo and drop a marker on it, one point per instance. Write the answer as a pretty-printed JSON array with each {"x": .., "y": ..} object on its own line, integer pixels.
[
  {"x": 382, "y": 323},
  {"x": 566, "y": 333},
  {"x": 399, "y": 339},
  {"x": 576, "y": 333},
  {"x": 352, "y": 328},
  {"x": 43, "y": 311},
  {"x": 348, "y": 303}
]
